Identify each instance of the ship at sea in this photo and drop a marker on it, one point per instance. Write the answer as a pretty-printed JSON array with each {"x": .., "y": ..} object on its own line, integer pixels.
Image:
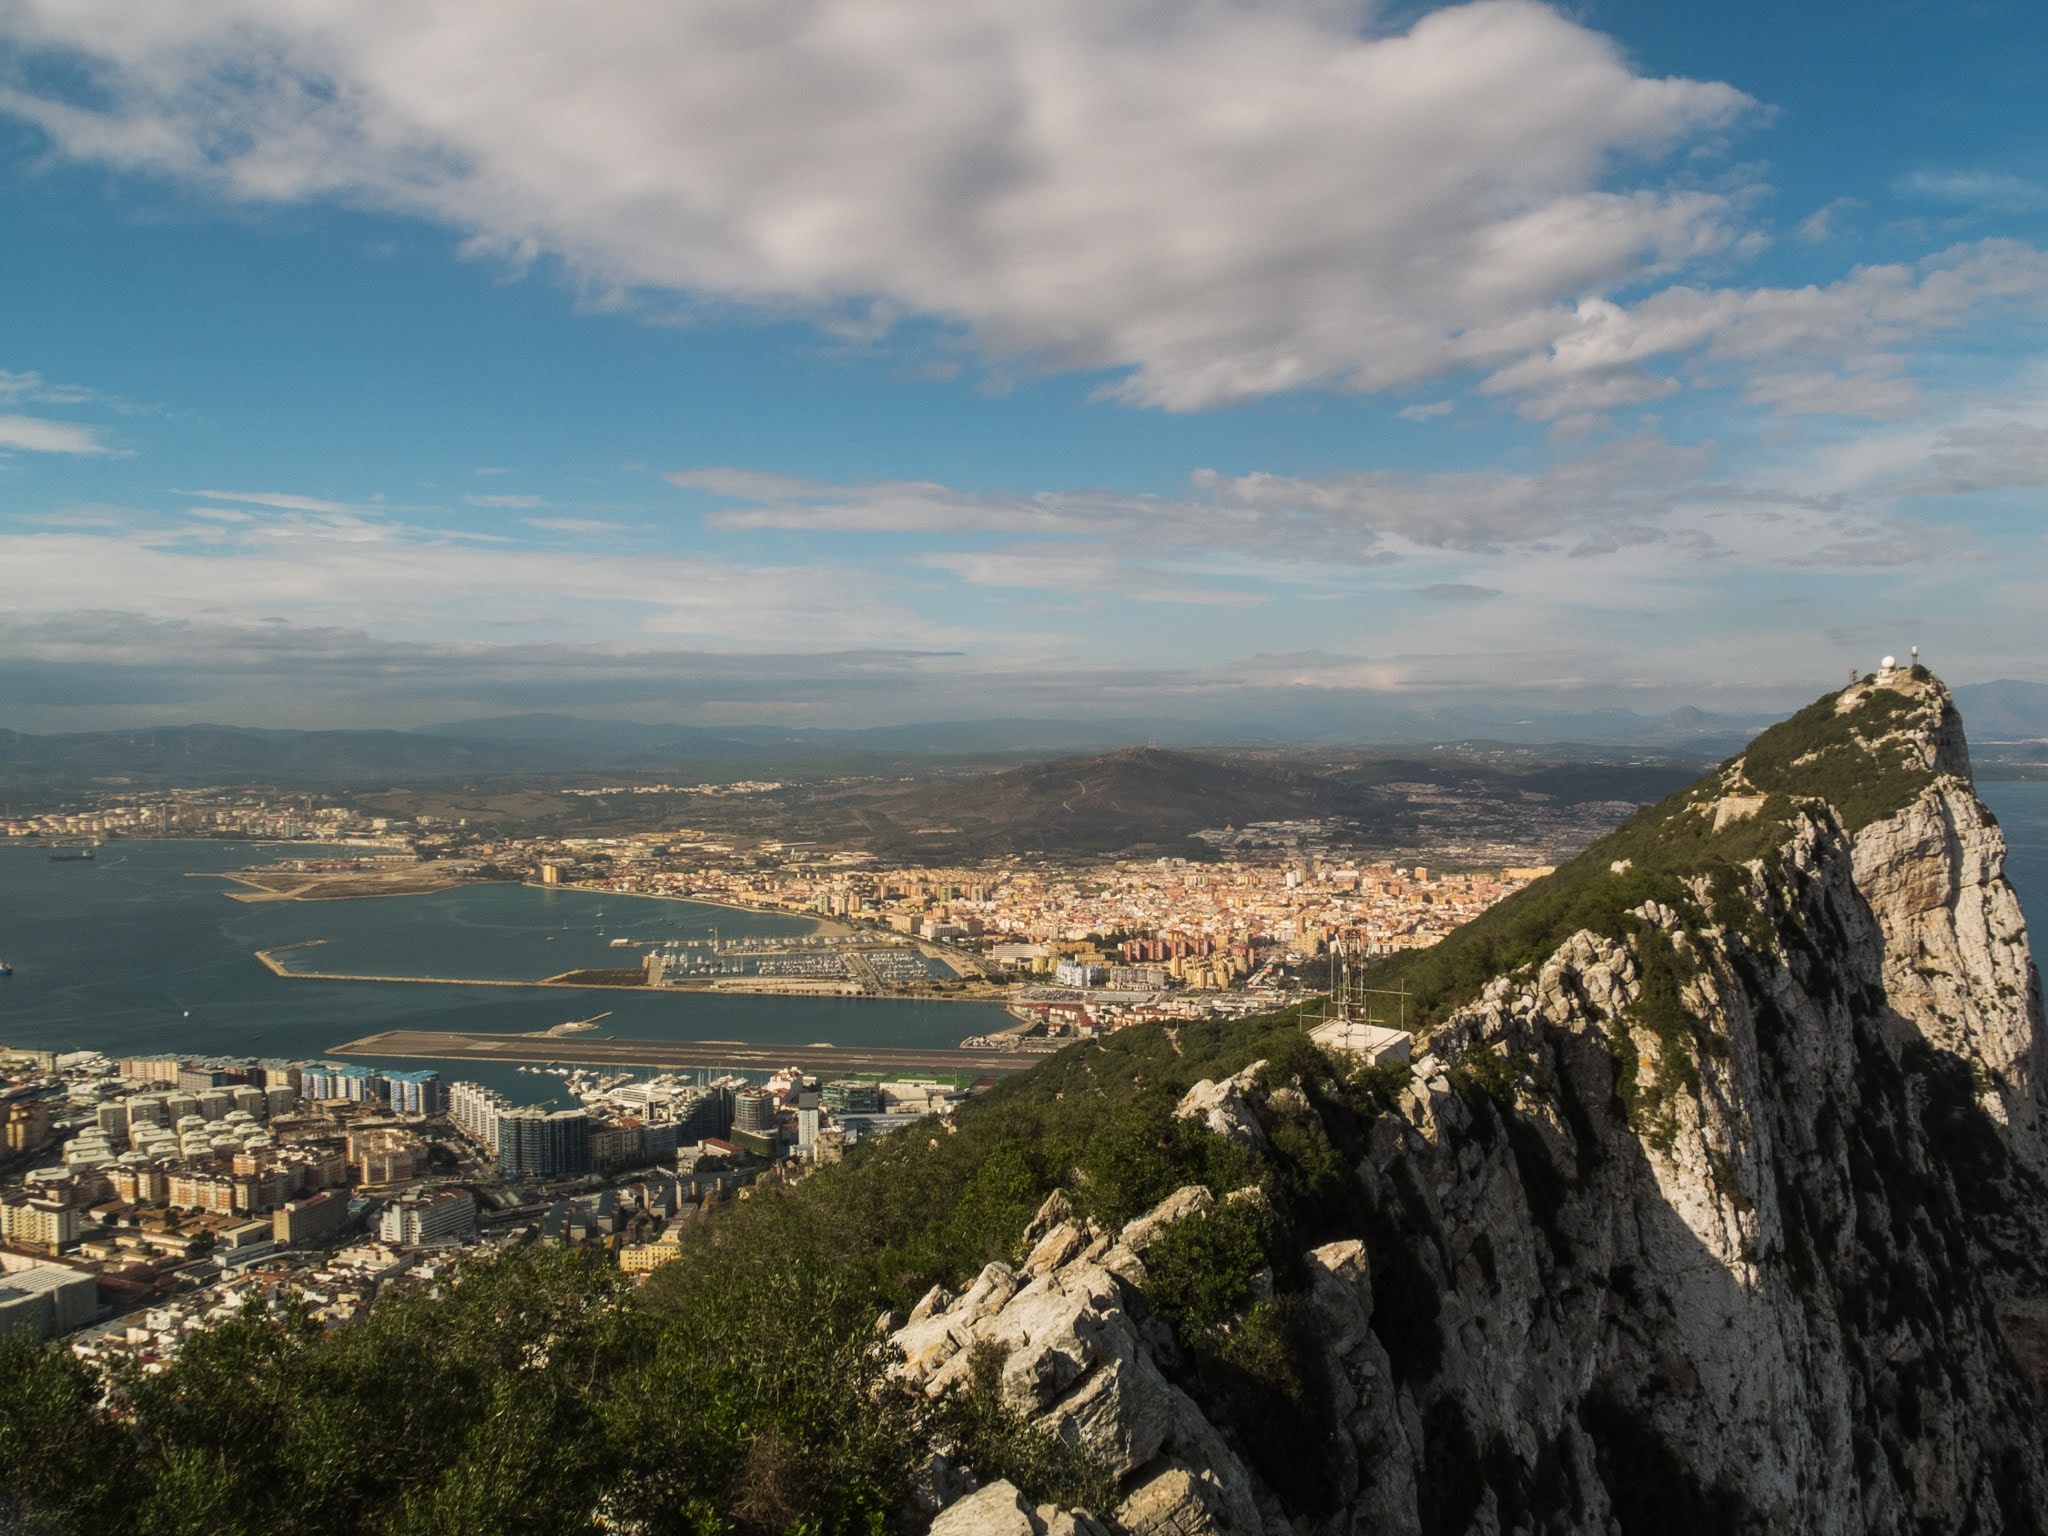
[
  {"x": 6, "y": 969},
  {"x": 72, "y": 856}
]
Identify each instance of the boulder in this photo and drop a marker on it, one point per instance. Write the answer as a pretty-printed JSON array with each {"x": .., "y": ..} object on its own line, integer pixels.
[
  {"x": 1188, "y": 1200},
  {"x": 997, "y": 1510},
  {"x": 1225, "y": 1108}
]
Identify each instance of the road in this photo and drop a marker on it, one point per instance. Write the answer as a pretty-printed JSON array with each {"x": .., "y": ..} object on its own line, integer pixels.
[{"x": 821, "y": 1060}]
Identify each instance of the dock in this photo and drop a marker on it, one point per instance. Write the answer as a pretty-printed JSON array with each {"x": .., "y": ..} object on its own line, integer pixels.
[{"x": 824, "y": 1060}]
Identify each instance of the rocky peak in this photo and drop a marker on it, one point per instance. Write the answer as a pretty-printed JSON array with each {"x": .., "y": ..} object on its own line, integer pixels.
[{"x": 1714, "y": 1199}]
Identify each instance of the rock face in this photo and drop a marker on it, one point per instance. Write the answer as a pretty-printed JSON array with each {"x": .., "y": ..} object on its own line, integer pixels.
[
  {"x": 1771, "y": 1257},
  {"x": 1076, "y": 1362}
]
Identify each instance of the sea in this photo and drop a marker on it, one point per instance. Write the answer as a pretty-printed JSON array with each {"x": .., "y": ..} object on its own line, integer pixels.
[{"x": 142, "y": 951}]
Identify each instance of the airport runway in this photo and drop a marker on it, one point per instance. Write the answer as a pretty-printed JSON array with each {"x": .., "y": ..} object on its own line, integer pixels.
[{"x": 821, "y": 1060}]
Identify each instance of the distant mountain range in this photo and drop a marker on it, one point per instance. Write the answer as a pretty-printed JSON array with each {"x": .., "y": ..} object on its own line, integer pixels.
[{"x": 2006, "y": 711}]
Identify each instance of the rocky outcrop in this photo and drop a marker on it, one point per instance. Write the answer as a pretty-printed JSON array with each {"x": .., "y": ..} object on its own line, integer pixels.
[
  {"x": 1000, "y": 1510},
  {"x": 1728, "y": 1215},
  {"x": 1075, "y": 1361}
]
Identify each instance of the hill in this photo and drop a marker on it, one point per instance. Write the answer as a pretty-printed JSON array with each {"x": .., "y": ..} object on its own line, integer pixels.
[
  {"x": 1714, "y": 1200},
  {"x": 1148, "y": 801}
]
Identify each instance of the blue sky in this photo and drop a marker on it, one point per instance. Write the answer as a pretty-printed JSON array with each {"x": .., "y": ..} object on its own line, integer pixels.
[{"x": 845, "y": 362}]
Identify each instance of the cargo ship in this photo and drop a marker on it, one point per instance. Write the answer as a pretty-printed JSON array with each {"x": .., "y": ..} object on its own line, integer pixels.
[{"x": 72, "y": 856}]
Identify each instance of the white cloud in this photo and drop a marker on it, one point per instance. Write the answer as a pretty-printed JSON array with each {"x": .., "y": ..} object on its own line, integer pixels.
[
  {"x": 36, "y": 434},
  {"x": 1215, "y": 201},
  {"x": 1429, "y": 412},
  {"x": 1823, "y": 223},
  {"x": 279, "y": 500},
  {"x": 1997, "y": 190},
  {"x": 1094, "y": 570},
  {"x": 355, "y": 570},
  {"x": 1848, "y": 328},
  {"x": 516, "y": 503},
  {"x": 579, "y": 525}
]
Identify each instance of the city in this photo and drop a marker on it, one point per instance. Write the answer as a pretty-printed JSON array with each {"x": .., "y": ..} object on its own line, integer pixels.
[{"x": 144, "y": 1198}]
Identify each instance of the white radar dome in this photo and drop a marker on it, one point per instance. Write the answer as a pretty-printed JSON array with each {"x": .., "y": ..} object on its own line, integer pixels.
[{"x": 1890, "y": 662}]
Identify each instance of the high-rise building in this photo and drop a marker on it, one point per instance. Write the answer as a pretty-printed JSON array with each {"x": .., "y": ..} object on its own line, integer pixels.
[
  {"x": 41, "y": 1224},
  {"x": 445, "y": 1217},
  {"x": 703, "y": 1112},
  {"x": 621, "y": 1145},
  {"x": 753, "y": 1109},
  {"x": 308, "y": 1220},
  {"x": 475, "y": 1110},
  {"x": 534, "y": 1143},
  {"x": 355, "y": 1084},
  {"x": 415, "y": 1093},
  {"x": 28, "y": 1125}
]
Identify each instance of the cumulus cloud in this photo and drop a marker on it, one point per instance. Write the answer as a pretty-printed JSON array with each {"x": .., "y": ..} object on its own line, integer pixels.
[{"x": 1215, "y": 202}]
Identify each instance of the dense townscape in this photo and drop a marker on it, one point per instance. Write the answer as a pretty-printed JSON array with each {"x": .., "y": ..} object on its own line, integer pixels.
[{"x": 144, "y": 1198}]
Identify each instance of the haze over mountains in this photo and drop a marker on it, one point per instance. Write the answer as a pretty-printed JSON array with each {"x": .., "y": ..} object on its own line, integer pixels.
[{"x": 2002, "y": 712}]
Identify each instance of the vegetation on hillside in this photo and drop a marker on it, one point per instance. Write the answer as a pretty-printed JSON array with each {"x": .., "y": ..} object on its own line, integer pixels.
[
  {"x": 739, "y": 1389},
  {"x": 1817, "y": 762}
]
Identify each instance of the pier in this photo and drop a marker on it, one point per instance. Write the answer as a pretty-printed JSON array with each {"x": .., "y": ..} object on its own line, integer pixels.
[
  {"x": 824, "y": 1060},
  {"x": 276, "y": 967}
]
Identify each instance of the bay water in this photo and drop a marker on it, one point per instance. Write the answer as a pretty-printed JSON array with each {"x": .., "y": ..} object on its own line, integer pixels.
[{"x": 142, "y": 951}]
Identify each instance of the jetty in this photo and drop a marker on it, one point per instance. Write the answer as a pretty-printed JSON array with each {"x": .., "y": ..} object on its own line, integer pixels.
[{"x": 825, "y": 1060}]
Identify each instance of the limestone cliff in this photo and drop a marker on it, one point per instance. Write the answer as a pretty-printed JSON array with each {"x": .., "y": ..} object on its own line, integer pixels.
[{"x": 1722, "y": 1208}]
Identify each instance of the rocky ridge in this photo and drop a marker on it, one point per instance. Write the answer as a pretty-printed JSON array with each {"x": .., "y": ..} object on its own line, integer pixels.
[{"x": 1725, "y": 1214}]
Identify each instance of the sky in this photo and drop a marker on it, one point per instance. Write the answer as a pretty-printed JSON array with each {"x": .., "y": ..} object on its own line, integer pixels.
[{"x": 847, "y": 362}]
